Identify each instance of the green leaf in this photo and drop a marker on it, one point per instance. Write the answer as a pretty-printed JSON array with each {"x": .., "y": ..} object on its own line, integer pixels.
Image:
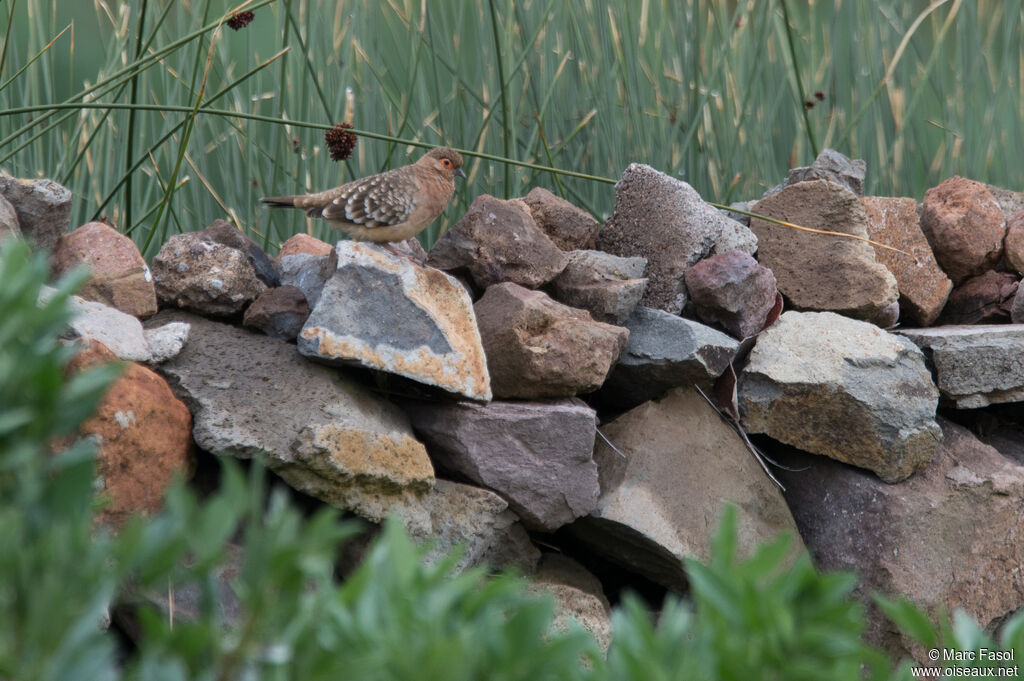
[{"x": 909, "y": 619}]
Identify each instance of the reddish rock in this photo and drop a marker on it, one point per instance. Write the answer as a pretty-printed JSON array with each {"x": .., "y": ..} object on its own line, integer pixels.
[
  {"x": 498, "y": 241},
  {"x": 732, "y": 290},
  {"x": 210, "y": 278},
  {"x": 538, "y": 348},
  {"x": 965, "y": 227},
  {"x": 923, "y": 286},
  {"x": 119, "y": 277},
  {"x": 144, "y": 437},
  {"x": 818, "y": 271},
  {"x": 1014, "y": 243},
  {"x": 279, "y": 312},
  {"x": 571, "y": 228},
  {"x": 304, "y": 243},
  {"x": 985, "y": 299}
]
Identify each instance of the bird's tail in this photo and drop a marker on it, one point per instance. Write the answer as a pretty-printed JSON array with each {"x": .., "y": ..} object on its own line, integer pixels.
[{"x": 280, "y": 201}]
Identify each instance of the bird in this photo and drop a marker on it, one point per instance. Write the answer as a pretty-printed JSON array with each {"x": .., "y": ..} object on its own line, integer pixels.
[{"x": 387, "y": 207}]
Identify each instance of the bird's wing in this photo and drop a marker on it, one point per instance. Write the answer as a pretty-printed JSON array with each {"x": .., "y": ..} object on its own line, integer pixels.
[{"x": 378, "y": 201}]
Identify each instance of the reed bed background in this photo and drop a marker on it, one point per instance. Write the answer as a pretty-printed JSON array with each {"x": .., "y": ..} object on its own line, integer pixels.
[{"x": 160, "y": 117}]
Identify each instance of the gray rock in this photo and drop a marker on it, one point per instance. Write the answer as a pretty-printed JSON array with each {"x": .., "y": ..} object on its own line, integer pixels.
[
  {"x": 975, "y": 366},
  {"x": 659, "y": 503},
  {"x": 1009, "y": 201},
  {"x": 121, "y": 333},
  {"x": 382, "y": 312},
  {"x": 512, "y": 448},
  {"x": 945, "y": 538},
  {"x": 834, "y": 167},
  {"x": 8, "y": 220},
  {"x": 735, "y": 236},
  {"x": 731, "y": 289},
  {"x": 666, "y": 351},
  {"x": 455, "y": 515},
  {"x": 194, "y": 273},
  {"x": 538, "y": 348},
  {"x": 323, "y": 434},
  {"x": 308, "y": 273},
  {"x": 569, "y": 227},
  {"x": 818, "y": 271},
  {"x": 166, "y": 341},
  {"x": 279, "y": 312},
  {"x": 43, "y": 208},
  {"x": 1017, "y": 309},
  {"x": 844, "y": 389},
  {"x": 223, "y": 232},
  {"x": 664, "y": 220},
  {"x": 607, "y": 286},
  {"x": 578, "y": 597},
  {"x": 498, "y": 241}
]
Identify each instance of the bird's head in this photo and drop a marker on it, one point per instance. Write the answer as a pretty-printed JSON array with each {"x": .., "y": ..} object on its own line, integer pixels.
[{"x": 446, "y": 161}]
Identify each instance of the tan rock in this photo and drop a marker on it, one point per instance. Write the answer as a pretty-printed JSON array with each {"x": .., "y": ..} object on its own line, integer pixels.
[
  {"x": 119, "y": 276},
  {"x": 965, "y": 227},
  {"x": 539, "y": 348},
  {"x": 923, "y": 286},
  {"x": 571, "y": 228},
  {"x": 821, "y": 272},
  {"x": 303, "y": 243}
]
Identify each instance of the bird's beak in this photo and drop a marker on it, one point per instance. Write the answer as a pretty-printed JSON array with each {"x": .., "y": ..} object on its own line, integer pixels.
[{"x": 460, "y": 173}]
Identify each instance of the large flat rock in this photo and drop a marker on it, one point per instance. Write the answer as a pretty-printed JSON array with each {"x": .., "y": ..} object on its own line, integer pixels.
[
  {"x": 328, "y": 437},
  {"x": 381, "y": 312},
  {"x": 975, "y": 366}
]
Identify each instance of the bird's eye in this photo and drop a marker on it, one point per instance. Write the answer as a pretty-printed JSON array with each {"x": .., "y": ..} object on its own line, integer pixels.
[{"x": 446, "y": 162}]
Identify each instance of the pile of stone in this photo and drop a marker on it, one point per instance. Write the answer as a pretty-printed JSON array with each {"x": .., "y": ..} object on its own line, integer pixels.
[{"x": 547, "y": 382}]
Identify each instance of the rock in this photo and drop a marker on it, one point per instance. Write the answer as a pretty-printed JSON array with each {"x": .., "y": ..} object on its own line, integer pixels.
[
  {"x": 210, "y": 278},
  {"x": 8, "y": 221},
  {"x": 833, "y": 167},
  {"x": 223, "y": 232},
  {"x": 303, "y": 244},
  {"x": 664, "y": 352},
  {"x": 975, "y": 365},
  {"x": 735, "y": 236},
  {"x": 538, "y": 348},
  {"x": 965, "y": 227},
  {"x": 512, "y": 448},
  {"x": 1009, "y": 201},
  {"x": 844, "y": 389},
  {"x": 308, "y": 273},
  {"x": 945, "y": 538},
  {"x": 664, "y": 220},
  {"x": 381, "y": 312},
  {"x": 498, "y": 241},
  {"x": 119, "y": 277},
  {"x": 731, "y": 289},
  {"x": 1014, "y": 243},
  {"x": 682, "y": 462},
  {"x": 816, "y": 271},
  {"x": 1017, "y": 309},
  {"x": 323, "y": 434},
  {"x": 165, "y": 341},
  {"x": 984, "y": 299},
  {"x": 569, "y": 227},
  {"x": 279, "y": 312},
  {"x": 478, "y": 521},
  {"x": 43, "y": 208},
  {"x": 413, "y": 248},
  {"x": 607, "y": 286},
  {"x": 121, "y": 333},
  {"x": 923, "y": 286},
  {"x": 143, "y": 436},
  {"x": 578, "y": 597}
]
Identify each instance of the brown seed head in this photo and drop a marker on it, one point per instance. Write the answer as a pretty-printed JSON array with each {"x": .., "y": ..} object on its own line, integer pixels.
[
  {"x": 340, "y": 142},
  {"x": 240, "y": 20}
]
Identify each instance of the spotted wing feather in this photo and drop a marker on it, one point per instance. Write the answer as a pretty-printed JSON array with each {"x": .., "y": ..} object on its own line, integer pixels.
[{"x": 379, "y": 201}]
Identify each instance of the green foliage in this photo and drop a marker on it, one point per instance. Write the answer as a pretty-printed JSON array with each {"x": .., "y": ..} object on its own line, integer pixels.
[{"x": 193, "y": 121}]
